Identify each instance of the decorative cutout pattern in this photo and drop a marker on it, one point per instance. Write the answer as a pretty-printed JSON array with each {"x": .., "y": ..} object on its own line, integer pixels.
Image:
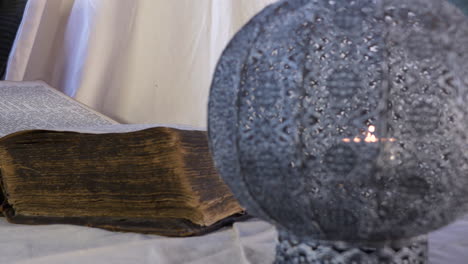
[
  {"x": 292, "y": 250},
  {"x": 346, "y": 120}
]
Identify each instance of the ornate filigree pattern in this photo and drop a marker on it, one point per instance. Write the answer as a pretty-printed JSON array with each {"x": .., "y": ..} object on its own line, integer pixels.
[
  {"x": 346, "y": 120},
  {"x": 291, "y": 250}
]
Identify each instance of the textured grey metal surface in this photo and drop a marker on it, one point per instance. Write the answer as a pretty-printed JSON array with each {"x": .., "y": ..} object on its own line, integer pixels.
[
  {"x": 346, "y": 120},
  {"x": 291, "y": 250}
]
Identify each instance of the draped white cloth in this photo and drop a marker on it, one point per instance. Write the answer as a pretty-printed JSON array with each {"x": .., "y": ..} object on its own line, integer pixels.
[
  {"x": 245, "y": 243},
  {"x": 250, "y": 242},
  {"x": 137, "y": 61}
]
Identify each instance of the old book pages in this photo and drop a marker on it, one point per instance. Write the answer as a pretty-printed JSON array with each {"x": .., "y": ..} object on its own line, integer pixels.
[
  {"x": 62, "y": 162},
  {"x": 35, "y": 105}
]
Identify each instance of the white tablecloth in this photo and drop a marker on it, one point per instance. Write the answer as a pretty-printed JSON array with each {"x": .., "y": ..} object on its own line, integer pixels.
[
  {"x": 250, "y": 242},
  {"x": 247, "y": 242}
]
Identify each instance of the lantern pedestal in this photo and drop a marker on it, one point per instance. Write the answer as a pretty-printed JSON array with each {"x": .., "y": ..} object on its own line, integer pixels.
[{"x": 290, "y": 249}]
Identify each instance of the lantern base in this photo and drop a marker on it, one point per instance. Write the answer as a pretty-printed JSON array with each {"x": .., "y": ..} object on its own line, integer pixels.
[{"x": 290, "y": 249}]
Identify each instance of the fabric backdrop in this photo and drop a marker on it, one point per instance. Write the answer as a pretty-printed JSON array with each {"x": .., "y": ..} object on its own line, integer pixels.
[{"x": 138, "y": 61}]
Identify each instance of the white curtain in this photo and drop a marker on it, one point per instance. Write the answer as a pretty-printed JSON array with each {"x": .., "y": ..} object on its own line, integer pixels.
[{"x": 137, "y": 61}]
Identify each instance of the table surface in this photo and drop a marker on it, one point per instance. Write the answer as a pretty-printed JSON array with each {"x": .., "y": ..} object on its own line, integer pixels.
[{"x": 246, "y": 242}]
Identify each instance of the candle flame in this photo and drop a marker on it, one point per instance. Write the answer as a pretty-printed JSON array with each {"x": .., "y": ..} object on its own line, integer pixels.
[{"x": 369, "y": 137}]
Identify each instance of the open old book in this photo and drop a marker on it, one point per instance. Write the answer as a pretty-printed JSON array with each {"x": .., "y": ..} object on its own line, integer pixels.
[{"x": 62, "y": 162}]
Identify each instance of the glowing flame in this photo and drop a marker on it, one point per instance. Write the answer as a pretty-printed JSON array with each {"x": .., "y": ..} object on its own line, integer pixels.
[{"x": 369, "y": 137}]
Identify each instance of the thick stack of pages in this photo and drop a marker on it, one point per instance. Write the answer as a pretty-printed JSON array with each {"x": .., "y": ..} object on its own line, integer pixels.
[{"x": 62, "y": 162}]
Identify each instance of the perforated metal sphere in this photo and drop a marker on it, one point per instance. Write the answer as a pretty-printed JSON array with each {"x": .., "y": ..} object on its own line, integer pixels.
[{"x": 346, "y": 120}]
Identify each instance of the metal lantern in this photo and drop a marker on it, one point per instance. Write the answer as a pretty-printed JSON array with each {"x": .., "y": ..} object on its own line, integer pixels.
[{"x": 345, "y": 124}]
